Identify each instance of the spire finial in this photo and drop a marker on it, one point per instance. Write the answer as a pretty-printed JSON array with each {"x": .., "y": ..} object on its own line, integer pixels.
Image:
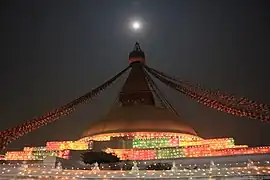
[
  {"x": 137, "y": 47},
  {"x": 137, "y": 55}
]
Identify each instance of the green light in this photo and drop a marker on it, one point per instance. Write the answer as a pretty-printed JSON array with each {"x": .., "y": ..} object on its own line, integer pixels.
[{"x": 150, "y": 143}]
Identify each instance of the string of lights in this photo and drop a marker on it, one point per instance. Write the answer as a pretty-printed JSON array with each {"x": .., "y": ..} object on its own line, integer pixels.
[
  {"x": 155, "y": 91},
  {"x": 159, "y": 94},
  {"x": 11, "y": 134},
  {"x": 209, "y": 102},
  {"x": 235, "y": 170},
  {"x": 242, "y": 102}
]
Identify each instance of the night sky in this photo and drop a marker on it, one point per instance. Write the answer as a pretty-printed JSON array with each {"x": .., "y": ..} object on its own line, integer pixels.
[{"x": 54, "y": 51}]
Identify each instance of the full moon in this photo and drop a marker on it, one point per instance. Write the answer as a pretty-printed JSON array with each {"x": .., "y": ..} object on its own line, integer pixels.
[{"x": 136, "y": 25}]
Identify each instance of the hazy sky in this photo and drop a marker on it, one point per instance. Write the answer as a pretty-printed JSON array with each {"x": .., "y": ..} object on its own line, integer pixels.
[{"x": 54, "y": 51}]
